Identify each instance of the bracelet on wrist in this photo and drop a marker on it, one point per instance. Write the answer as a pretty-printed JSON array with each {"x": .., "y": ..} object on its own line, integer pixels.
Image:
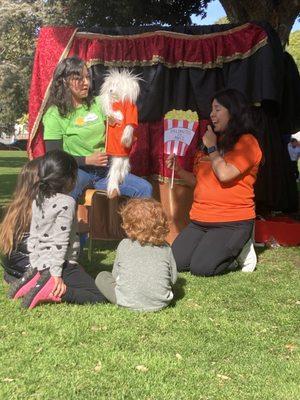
[{"x": 212, "y": 149}]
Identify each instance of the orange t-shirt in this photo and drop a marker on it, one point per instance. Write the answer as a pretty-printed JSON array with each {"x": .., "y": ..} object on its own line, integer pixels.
[
  {"x": 114, "y": 134},
  {"x": 232, "y": 201}
]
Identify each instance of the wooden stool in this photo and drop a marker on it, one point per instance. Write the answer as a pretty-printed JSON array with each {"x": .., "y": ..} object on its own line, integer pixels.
[
  {"x": 99, "y": 216},
  {"x": 104, "y": 221}
]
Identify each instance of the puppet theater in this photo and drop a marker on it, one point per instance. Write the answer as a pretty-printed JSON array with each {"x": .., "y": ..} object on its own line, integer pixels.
[{"x": 181, "y": 68}]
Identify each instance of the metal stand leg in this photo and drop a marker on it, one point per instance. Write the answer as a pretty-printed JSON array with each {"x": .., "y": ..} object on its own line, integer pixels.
[{"x": 90, "y": 249}]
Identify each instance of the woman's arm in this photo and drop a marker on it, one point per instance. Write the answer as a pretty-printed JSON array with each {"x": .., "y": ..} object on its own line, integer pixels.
[
  {"x": 224, "y": 171},
  {"x": 97, "y": 158},
  {"x": 58, "y": 145},
  {"x": 187, "y": 176}
]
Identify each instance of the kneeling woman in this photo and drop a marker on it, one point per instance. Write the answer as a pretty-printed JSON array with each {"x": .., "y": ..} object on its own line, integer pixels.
[{"x": 223, "y": 211}]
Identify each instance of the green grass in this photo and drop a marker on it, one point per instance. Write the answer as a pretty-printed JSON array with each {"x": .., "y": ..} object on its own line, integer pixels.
[
  {"x": 10, "y": 164},
  {"x": 228, "y": 337}
]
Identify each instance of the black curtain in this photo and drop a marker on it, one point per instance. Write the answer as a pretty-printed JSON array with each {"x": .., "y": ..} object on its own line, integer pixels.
[{"x": 268, "y": 77}]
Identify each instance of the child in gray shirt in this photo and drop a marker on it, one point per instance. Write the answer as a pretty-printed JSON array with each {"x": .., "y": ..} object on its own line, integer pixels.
[
  {"x": 53, "y": 274},
  {"x": 144, "y": 269}
]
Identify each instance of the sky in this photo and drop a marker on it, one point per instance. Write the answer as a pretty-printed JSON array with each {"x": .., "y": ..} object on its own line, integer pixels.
[{"x": 216, "y": 11}]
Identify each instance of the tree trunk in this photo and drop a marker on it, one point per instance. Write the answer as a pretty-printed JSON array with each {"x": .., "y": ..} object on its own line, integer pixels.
[{"x": 281, "y": 14}]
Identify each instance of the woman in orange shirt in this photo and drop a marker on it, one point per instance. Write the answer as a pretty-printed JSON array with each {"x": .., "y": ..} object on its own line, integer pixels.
[{"x": 223, "y": 211}]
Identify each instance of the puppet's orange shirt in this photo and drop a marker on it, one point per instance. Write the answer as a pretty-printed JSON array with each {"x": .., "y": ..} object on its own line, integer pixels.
[
  {"x": 233, "y": 201},
  {"x": 114, "y": 133}
]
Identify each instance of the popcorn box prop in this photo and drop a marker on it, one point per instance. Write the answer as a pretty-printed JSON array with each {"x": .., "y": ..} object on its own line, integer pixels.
[{"x": 179, "y": 129}]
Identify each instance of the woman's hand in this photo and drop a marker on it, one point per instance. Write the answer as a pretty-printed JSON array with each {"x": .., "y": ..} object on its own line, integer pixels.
[
  {"x": 172, "y": 160},
  {"x": 97, "y": 158},
  {"x": 60, "y": 288},
  {"x": 187, "y": 176},
  {"x": 209, "y": 139}
]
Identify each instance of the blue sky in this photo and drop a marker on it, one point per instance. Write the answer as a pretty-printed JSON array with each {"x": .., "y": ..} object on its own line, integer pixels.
[{"x": 216, "y": 11}]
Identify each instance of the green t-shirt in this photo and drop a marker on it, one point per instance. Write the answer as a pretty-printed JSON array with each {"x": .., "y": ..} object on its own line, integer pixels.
[{"x": 82, "y": 131}]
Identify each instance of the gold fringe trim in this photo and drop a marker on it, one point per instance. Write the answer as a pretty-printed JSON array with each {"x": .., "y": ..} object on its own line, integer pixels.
[
  {"x": 156, "y": 59},
  {"x": 46, "y": 96}
]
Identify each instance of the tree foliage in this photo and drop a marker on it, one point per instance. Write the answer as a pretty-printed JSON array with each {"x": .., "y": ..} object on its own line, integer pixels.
[
  {"x": 89, "y": 13},
  {"x": 281, "y": 14},
  {"x": 294, "y": 47},
  {"x": 19, "y": 25}
]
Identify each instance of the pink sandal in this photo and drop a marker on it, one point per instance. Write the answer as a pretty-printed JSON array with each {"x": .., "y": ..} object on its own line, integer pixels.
[{"x": 41, "y": 292}]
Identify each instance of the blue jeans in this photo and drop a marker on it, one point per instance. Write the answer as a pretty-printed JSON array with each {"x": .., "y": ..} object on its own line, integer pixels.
[{"x": 96, "y": 177}]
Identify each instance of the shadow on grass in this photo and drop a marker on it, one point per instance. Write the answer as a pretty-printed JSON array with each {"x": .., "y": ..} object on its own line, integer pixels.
[
  {"x": 179, "y": 291},
  {"x": 96, "y": 265},
  {"x": 260, "y": 250}
]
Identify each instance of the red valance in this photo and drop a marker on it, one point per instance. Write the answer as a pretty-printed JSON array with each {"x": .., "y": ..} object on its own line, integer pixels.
[{"x": 174, "y": 50}]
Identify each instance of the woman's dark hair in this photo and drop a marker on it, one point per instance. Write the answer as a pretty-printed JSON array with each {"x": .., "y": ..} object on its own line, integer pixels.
[
  {"x": 60, "y": 93},
  {"x": 57, "y": 174},
  {"x": 240, "y": 121}
]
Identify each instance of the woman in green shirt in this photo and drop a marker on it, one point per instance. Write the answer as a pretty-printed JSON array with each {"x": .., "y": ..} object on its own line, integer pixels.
[{"x": 74, "y": 122}]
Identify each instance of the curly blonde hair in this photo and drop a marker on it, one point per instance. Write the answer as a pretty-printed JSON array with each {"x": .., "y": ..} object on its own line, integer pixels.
[{"x": 145, "y": 221}]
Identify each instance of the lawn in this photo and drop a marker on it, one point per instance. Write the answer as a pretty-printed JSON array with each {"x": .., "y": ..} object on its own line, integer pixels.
[
  {"x": 230, "y": 337},
  {"x": 10, "y": 164}
]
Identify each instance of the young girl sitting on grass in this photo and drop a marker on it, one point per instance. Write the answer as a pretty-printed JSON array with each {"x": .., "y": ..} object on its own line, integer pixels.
[
  {"x": 14, "y": 229},
  {"x": 144, "y": 269},
  {"x": 54, "y": 274}
]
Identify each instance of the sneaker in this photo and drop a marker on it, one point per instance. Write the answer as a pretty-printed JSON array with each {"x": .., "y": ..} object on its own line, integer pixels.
[
  {"x": 41, "y": 292},
  {"x": 23, "y": 285},
  {"x": 247, "y": 258}
]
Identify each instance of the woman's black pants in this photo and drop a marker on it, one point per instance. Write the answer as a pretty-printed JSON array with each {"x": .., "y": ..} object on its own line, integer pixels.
[{"x": 208, "y": 249}]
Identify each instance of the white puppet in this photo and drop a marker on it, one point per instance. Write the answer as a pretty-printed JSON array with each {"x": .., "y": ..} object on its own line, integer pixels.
[{"x": 119, "y": 93}]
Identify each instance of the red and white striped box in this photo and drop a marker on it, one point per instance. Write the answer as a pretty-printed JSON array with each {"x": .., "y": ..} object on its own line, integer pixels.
[{"x": 178, "y": 135}]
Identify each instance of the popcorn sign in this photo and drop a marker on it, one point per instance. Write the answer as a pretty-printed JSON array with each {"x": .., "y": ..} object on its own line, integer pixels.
[{"x": 179, "y": 129}]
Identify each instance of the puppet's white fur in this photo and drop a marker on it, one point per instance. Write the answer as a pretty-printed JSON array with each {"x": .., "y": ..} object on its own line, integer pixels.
[
  {"x": 119, "y": 86},
  {"x": 118, "y": 169}
]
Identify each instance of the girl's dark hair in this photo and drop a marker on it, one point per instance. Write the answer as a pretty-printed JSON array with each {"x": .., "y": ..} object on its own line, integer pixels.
[
  {"x": 57, "y": 174},
  {"x": 60, "y": 93},
  {"x": 240, "y": 121}
]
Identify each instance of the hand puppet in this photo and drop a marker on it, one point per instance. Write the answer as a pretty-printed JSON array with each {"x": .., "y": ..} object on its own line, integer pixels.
[{"x": 118, "y": 94}]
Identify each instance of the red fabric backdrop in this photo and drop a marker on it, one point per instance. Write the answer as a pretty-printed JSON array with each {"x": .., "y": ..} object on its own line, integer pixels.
[{"x": 151, "y": 48}]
